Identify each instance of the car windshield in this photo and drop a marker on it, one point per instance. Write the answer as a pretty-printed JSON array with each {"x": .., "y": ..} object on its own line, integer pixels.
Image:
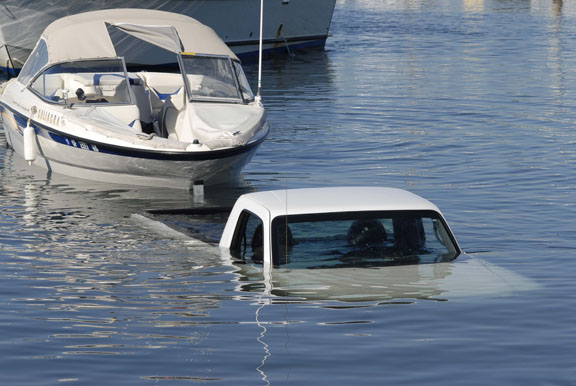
[
  {"x": 214, "y": 78},
  {"x": 84, "y": 82},
  {"x": 361, "y": 239}
]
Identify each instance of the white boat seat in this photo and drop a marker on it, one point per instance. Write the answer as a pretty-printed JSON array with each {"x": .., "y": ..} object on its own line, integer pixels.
[
  {"x": 170, "y": 117},
  {"x": 73, "y": 82},
  {"x": 110, "y": 87},
  {"x": 162, "y": 83},
  {"x": 164, "y": 96},
  {"x": 142, "y": 100},
  {"x": 107, "y": 79},
  {"x": 159, "y": 86}
]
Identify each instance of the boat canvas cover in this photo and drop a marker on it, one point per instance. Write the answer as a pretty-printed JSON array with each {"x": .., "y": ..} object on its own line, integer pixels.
[
  {"x": 165, "y": 37},
  {"x": 86, "y": 35}
]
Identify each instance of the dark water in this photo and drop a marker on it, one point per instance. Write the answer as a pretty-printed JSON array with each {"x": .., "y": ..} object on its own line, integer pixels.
[{"x": 470, "y": 104}]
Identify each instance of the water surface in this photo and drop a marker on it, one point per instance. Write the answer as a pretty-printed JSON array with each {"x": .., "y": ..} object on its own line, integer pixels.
[{"x": 467, "y": 103}]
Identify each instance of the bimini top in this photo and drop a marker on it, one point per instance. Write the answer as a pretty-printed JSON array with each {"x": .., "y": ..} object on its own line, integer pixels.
[
  {"x": 338, "y": 199},
  {"x": 87, "y": 35}
]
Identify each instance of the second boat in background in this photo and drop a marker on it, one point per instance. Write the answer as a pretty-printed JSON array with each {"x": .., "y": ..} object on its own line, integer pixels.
[{"x": 289, "y": 24}]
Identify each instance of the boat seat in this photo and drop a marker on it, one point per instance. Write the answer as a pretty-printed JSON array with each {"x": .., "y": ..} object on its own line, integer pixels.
[
  {"x": 142, "y": 100},
  {"x": 160, "y": 86},
  {"x": 113, "y": 87},
  {"x": 107, "y": 79},
  {"x": 73, "y": 82},
  {"x": 164, "y": 84},
  {"x": 170, "y": 117},
  {"x": 164, "y": 96},
  {"x": 109, "y": 87}
]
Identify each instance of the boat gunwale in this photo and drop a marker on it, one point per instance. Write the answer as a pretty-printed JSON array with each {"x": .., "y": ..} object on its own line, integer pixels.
[{"x": 137, "y": 152}]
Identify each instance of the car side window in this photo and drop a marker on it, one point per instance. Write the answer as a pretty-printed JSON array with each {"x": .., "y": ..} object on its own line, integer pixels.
[{"x": 248, "y": 240}]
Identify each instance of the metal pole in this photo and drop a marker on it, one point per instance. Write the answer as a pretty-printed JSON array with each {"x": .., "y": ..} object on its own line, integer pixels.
[{"x": 258, "y": 94}]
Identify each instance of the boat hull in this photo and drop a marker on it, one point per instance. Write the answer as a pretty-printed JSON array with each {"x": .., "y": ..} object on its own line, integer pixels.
[
  {"x": 77, "y": 157},
  {"x": 288, "y": 24}
]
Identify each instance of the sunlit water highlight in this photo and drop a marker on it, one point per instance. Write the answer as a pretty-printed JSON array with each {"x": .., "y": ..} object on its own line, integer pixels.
[{"x": 470, "y": 104}]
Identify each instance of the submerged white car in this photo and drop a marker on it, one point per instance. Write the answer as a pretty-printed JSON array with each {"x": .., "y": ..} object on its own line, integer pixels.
[
  {"x": 337, "y": 227},
  {"x": 342, "y": 243}
]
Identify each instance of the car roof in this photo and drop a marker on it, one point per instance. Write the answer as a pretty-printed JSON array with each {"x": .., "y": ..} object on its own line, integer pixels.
[{"x": 337, "y": 199}]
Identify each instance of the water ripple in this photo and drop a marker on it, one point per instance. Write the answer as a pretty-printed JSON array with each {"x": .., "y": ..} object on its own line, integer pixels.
[{"x": 468, "y": 103}]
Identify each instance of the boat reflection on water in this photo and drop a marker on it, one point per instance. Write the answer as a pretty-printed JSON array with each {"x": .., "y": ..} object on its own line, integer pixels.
[{"x": 58, "y": 191}]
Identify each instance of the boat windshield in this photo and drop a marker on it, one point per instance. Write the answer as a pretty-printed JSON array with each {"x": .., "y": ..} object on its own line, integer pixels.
[
  {"x": 37, "y": 59},
  {"x": 361, "y": 239},
  {"x": 214, "y": 78},
  {"x": 84, "y": 82}
]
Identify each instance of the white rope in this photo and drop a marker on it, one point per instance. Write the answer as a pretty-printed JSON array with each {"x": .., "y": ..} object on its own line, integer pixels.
[{"x": 260, "y": 339}]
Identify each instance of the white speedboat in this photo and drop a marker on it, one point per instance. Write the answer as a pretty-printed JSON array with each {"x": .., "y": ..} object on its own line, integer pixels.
[
  {"x": 289, "y": 24},
  {"x": 76, "y": 110}
]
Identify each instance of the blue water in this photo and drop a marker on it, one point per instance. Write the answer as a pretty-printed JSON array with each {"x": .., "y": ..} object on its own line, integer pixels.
[{"x": 471, "y": 104}]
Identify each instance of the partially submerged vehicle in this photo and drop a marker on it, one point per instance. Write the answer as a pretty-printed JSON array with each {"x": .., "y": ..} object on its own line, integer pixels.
[
  {"x": 344, "y": 243},
  {"x": 92, "y": 101},
  {"x": 337, "y": 227}
]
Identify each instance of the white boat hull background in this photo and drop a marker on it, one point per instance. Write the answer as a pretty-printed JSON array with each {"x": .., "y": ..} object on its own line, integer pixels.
[{"x": 292, "y": 23}]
